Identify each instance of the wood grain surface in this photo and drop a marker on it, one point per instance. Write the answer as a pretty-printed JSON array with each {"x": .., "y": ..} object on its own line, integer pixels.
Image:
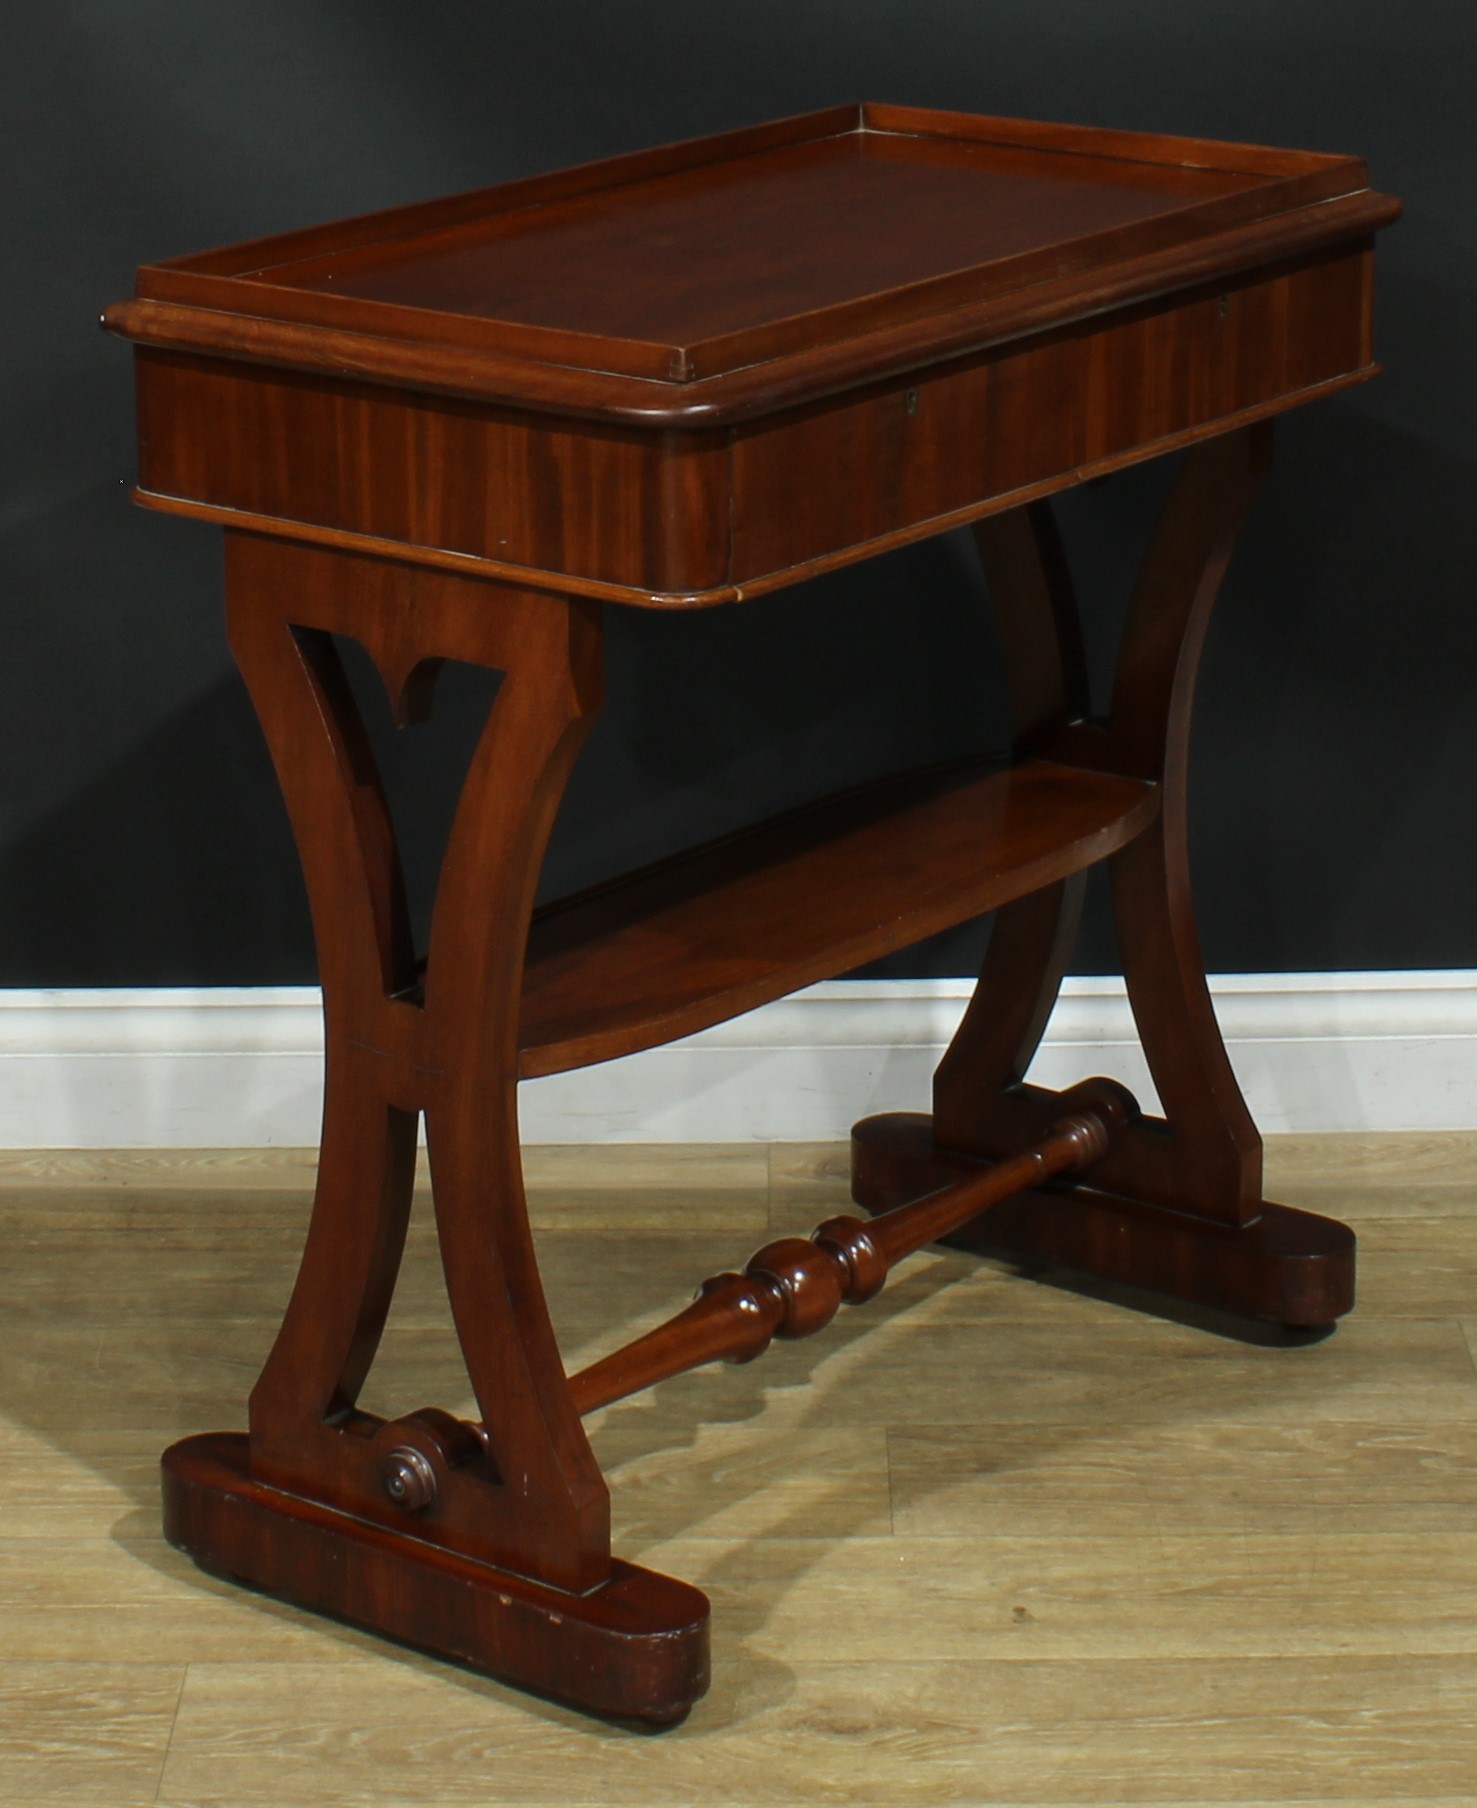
[
  {"x": 709, "y": 259},
  {"x": 1009, "y": 1545},
  {"x": 615, "y": 380}
]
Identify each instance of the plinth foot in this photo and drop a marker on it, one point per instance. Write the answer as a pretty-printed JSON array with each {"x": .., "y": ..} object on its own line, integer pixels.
[
  {"x": 1285, "y": 1267},
  {"x": 634, "y": 1648}
]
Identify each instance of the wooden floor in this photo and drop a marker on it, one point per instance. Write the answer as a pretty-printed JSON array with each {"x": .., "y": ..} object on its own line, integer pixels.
[{"x": 984, "y": 1541}]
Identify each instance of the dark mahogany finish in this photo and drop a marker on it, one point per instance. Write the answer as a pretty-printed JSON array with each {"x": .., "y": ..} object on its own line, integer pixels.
[
  {"x": 794, "y": 1288},
  {"x": 634, "y": 1648},
  {"x": 869, "y": 303},
  {"x": 456, "y": 431},
  {"x": 1285, "y": 1268},
  {"x": 675, "y": 947}
]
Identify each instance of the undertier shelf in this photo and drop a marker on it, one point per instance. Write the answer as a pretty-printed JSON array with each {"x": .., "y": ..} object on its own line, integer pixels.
[{"x": 672, "y": 948}]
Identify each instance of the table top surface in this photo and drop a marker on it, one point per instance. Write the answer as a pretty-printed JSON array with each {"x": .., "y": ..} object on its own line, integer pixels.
[{"x": 843, "y": 231}]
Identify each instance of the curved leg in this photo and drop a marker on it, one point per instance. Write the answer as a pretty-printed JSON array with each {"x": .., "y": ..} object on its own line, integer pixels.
[
  {"x": 1208, "y": 1158},
  {"x": 473, "y": 987},
  {"x": 367, "y": 1161},
  {"x": 1176, "y": 1205},
  {"x": 1031, "y": 941},
  {"x": 485, "y": 1540}
]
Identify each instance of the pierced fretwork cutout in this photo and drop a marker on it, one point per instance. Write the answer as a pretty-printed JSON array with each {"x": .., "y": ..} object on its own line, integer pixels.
[
  {"x": 515, "y": 1482},
  {"x": 421, "y": 754}
]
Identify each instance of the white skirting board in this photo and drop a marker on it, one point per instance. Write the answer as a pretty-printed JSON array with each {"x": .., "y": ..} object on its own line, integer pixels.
[{"x": 235, "y": 1068}]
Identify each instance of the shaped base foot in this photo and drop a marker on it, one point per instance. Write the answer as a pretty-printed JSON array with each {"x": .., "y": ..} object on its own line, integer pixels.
[
  {"x": 1286, "y": 1267},
  {"x": 634, "y": 1648}
]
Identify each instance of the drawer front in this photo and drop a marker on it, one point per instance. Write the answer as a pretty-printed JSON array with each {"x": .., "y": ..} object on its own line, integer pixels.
[
  {"x": 619, "y": 506},
  {"x": 862, "y": 468}
]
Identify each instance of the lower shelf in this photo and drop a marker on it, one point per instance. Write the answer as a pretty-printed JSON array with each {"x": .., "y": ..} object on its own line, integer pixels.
[
  {"x": 712, "y": 933},
  {"x": 635, "y": 1648}
]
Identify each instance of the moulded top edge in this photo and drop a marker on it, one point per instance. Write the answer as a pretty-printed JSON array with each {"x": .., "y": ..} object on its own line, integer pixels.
[{"x": 499, "y": 373}]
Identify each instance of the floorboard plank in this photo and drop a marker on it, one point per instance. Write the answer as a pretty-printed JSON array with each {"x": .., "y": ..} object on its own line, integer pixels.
[{"x": 985, "y": 1540}]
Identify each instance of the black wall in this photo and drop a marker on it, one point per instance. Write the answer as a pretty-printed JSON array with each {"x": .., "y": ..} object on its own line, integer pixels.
[{"x": 141, "y": 840}]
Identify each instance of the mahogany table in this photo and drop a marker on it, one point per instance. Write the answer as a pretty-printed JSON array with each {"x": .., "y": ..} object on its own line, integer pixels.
[{"x": 672, "y": 381}]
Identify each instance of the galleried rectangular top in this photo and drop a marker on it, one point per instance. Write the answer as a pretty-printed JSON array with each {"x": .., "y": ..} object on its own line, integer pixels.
[{"x": 713, "y": 278}]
